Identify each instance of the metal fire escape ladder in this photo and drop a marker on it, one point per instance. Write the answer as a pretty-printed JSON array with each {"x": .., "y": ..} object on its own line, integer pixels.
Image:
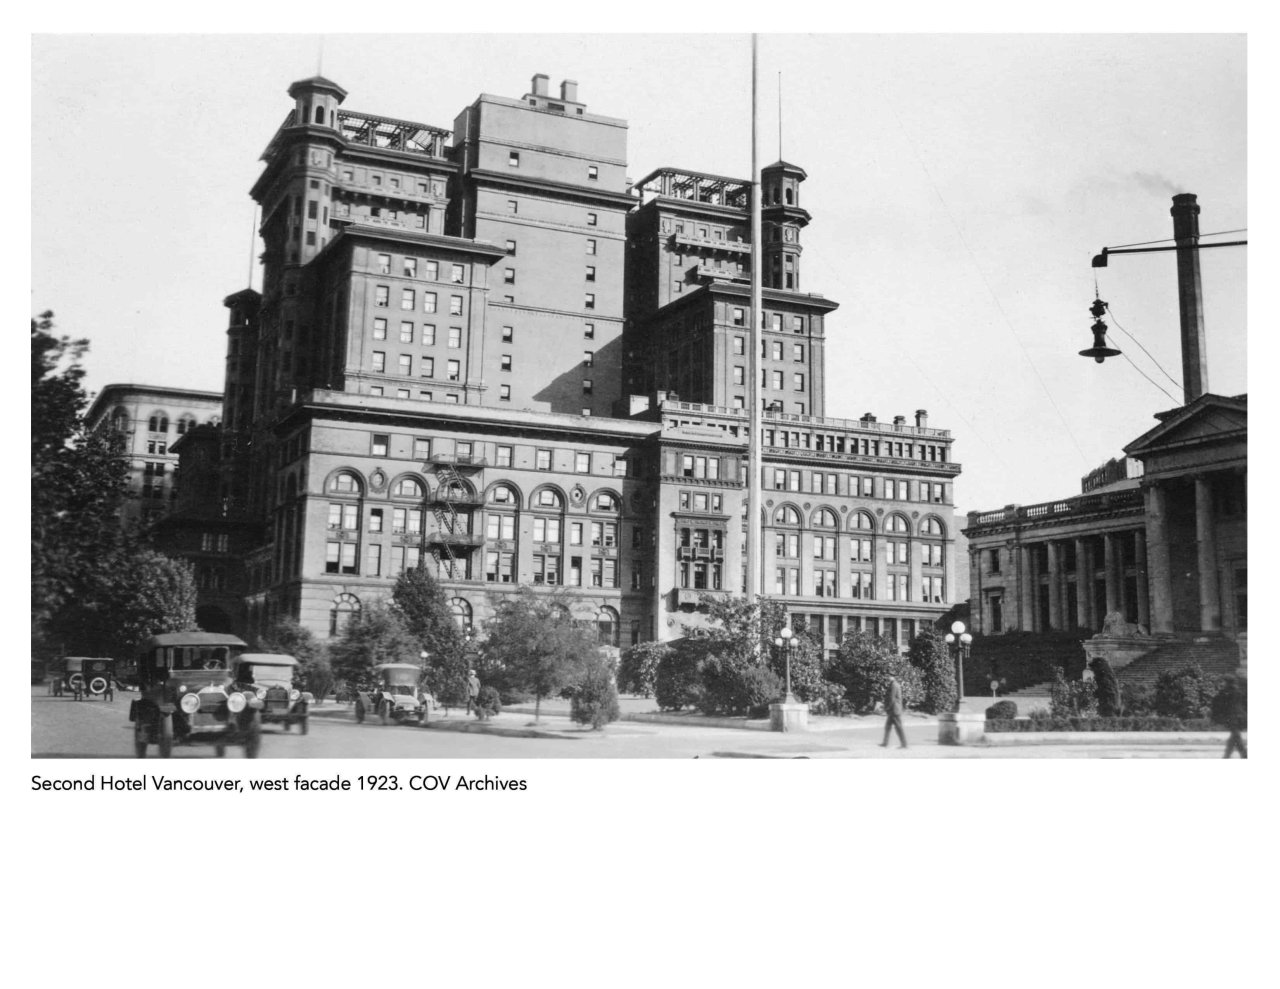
[{"x": 447, "y": 519}]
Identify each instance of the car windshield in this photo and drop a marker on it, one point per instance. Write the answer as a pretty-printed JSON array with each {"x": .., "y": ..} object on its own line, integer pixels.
[
  {"x": 407, "y": 677},
  {"x": 194, "y": 657},
  {"x": 401, "y": 688},
  {"x": 261, "y": 673}
]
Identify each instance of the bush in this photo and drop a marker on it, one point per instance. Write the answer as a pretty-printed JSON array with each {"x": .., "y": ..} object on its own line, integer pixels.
[
  {"x": 1184, "y": 693},
  {"x": 827, "y": 699},
  {"x": 677, "y": 684},
  {"x": 1071, "y": 698},
  {"x": 594, "y": 698},
  {"x": 1051, "y": 723},
  {"x": 928, "y": 653},
  {"x": 1137, "y": 700},
  {"x": 736, "y": 686},
  {"x": 1230, "y": 704},
  {"x": 488, "y": 703},
  {"x": 1106, "y": 689},
  {"x": 863, "y": 667},
  {"x": 1002, "y": 711},
  {"x": 638, "y": 668}
]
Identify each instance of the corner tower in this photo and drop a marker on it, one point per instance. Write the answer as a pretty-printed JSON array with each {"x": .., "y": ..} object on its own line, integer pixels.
[{"x": 782, "y": 220}]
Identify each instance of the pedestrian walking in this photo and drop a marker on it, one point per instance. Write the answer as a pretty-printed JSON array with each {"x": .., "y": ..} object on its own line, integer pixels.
[
  {"x": 893, "y": 713},
  {"x": 1231, "y": 710},
  {"x": 473, "y": 692}
]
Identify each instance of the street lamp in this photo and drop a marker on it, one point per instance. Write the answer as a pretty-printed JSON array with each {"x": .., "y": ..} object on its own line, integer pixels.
[
  {"x": 786, "y": 643},
  {"x": 959, "y": 640}
]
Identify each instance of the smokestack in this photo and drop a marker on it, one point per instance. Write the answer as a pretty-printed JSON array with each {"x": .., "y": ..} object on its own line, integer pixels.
[
  {"x": 540, "y": 84},
  {"x": 1186, "y": 233},
  {"x": 569, "y": 91},
  {"x": 922, "y": 418}
]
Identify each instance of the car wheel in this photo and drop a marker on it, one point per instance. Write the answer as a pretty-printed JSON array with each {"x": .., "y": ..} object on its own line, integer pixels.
[
  {"x": 139, "y": 740},
  {"x": 220, "y": 750},
  {"x": 386, "y": 712},
  {"x": 166, "y": 737}
]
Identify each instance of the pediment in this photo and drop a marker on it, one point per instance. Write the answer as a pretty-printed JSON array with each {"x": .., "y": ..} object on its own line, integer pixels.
[{"x": 1209, "y": 420}]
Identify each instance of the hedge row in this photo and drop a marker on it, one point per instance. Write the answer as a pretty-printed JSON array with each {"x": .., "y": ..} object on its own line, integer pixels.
[{"x": 1102, "y": 724}]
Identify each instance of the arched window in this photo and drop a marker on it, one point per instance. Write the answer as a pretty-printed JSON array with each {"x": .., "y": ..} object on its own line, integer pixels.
[
  {"x": 931, "y": 527},
  {"x": 345, "y": 607},
  {"x": 503, "y": 495},
  {"x": 605, "y": 501},
  {"x": 608, "y": 627},
  {"x": 897, "y": 523},
  {"x": 790, "y": 196},
  {"x": 824, "y": 518},
  {"x": 461, "y": 612},
  {"x": 345, "y": 482},
  {"x": 862, "y": 520},
  {"x": 502, "y": 504},
  {"x": 408, "y": 487},
  {"x": 319, "y": 115},
  {"x": 786, "y": 515},
  {"x": 159, "y": 422},
  {"x": 548, "y": 498},
  {"x": 186, "y": 421}
]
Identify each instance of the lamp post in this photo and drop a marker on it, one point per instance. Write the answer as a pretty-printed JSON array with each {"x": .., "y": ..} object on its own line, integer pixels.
[
  {"x": 786, "y": 643},
  {"x": 959, "y": 641}
]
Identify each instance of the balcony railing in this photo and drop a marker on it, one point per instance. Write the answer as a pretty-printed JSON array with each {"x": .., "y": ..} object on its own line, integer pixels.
[{"x": 1080, "y": 505}]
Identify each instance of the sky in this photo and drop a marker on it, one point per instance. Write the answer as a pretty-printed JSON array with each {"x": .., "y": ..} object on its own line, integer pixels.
[{"x": 959, "y": 186}]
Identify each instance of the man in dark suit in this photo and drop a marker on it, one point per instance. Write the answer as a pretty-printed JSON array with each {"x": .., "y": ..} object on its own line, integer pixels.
[{"x": 893, "y": 713}]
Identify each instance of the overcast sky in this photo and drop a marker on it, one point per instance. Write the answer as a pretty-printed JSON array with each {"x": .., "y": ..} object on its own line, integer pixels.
[{"x": 959, "y": 186}]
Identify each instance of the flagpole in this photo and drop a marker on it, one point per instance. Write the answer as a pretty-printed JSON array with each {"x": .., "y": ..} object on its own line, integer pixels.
[{"x": 753, "y": 348}]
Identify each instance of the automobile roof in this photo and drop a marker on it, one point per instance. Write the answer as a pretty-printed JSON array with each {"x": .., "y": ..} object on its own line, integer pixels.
[
  {"x": 193, "y": 639},
  {"x": 397, "y": 666},
  {"x": 266, "y": 659}
]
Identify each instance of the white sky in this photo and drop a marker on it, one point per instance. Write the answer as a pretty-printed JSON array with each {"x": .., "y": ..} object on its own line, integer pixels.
[{"x": 959, "y": 185}]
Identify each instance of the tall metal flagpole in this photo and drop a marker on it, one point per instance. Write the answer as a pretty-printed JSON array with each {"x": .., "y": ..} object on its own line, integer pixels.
[{"x": 753, "y": 348}]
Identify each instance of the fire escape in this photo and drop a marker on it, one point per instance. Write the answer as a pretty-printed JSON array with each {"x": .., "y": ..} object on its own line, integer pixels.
[{"x": 452, "y": 541}]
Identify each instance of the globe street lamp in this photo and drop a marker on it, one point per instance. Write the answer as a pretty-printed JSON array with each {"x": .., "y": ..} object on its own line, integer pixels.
[
  {"x": 786, "y": 643},
  {"x": 959, "y": 641}
]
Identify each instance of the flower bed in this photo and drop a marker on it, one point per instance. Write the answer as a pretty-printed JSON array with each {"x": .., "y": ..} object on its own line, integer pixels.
[{"x": 1102, "y": 724}]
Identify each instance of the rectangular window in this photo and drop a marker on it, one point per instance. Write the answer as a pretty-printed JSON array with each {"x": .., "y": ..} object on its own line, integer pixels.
[
  {"x": 582, "y": 463},
  {"x": 406, "y": 331},
  {"x": 428, "y": 301},
  {"x": 407, "y": 300},
  {"x": 588, "y": 331},
  {"x": 575, "y": 533},
  {"x": 373, "y": 560},
  {"x": 739, "y": 319},
  {"x": 513, "y": 159},
  {"x": 508, "y": 334},
  {"x": 406, "y": 364},
  {"x": 379, "y": 329},
  {"x": 455, "y": 370},
  {"x": 428, "y": 365},
  {"x": 798, "y": 380},
  {"x": 509, "y": 276},
  {"x": 504, "y": 393},
  {"x": 739, "y": 376},
  {"x": 739, "y": 345},
  {"x": 575, "y": 571},
  {"x": 455, "y": 337},
  {"x": 589, "y": 302},
  {"x": 455, "y": 305},
  {"x": 410, "y": 267},
  {"x": 588, "y": 358},
  {"x": 382, "y": 296},
  {"x": 432, "y": 271},
  {"x": 592, "y": 219},
  {"x": 797, "y": 352},
  {"x": 384, "y": 264},
  {"x": 586, "y": 386},
  {"x": 591, "y": 272},
  {"x": 380, "y": 444},
  {"x": 591, "y": 245},
  {"x": 421, "y": 448},
  {"x": 379, "y": 361},
  {"x": 542, "y": 459},
  {"x": 428, "y": 334},
  {"x": 593, "y": 172},
  {"x": 513, "y": 206},
  {"x": 504, "y": 455}
]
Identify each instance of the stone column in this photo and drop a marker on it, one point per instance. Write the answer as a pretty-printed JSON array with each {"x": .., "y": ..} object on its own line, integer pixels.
[
  {"x": 1109, "y": 571},
  {"x": 1026, "y": 590},
  {"x": 1084, "y": 578},
  {"x": 1158, "y": 574},
  {"x": 1207, "y": 558},
  {"x": 1055, "y": 586},
  {"x": 1140, "y": 561}
]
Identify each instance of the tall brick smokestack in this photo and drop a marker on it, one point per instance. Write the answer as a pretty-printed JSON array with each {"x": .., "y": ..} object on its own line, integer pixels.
[{"x": 1186, "y": 234}]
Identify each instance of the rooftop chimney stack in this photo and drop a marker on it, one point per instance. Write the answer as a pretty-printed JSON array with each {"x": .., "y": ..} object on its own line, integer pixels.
[
  {"x": 569, "y": 91},
  {"x": 540, "y": 84},
  {"x": 922, "y": 418},
  {"x": 1186, "y": 234}
]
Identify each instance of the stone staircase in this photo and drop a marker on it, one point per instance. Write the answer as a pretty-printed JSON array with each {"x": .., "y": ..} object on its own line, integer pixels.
[{"x": 1217, "y": 657}]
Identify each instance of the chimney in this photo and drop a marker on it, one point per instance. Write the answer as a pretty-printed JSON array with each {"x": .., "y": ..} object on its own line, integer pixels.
[
  {"x": 922, "y": 418},
  {"x": 867, "y": 417},
  {"x": 540, "y": 84},
  {"x": 569, "y": 91},
  {"x": 1186, "y": 233},
  {"x": 899, "y": 420}
]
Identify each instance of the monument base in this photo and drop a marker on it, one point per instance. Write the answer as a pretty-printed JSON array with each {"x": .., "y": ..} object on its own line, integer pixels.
[
  {"x": 788, "y": 716},
  {"x": 961, "y": 727}
]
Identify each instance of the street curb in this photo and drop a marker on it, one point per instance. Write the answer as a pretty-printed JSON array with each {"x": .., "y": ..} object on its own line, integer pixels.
[
  {"x": 481, "y": 728},
  {"x": 1013, "y": 738}
]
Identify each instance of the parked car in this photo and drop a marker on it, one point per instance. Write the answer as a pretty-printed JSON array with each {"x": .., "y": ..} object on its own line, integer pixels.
[
  {"x": 188, "y": 696},
  {"x": 396, "y": 697},
  {"x": 90, "y": 677},
  {"x": 270, "y": 677}
]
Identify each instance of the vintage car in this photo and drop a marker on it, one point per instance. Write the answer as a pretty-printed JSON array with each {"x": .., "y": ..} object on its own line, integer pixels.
[
  {"x": 87, "y": 676},
  {"x": 270, "y": 676},
  {"x": 396, "y": 696},
  {"x": 187, "y": 695}
]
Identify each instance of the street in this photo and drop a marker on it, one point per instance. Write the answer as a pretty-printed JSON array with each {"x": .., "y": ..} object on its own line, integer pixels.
[{"x": 89, "y": 729}]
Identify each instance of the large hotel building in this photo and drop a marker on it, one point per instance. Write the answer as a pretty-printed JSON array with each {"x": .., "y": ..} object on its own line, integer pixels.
[{"x": 486, "y": 351}]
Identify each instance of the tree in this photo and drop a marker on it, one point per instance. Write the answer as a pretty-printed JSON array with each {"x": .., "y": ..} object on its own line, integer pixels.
[
  {"x": 638, "y": 670},
  {"x": 77, "y": 484},
  {"x": 807, "y": 681},
  {"x": 863, "y": 666},
  {"x": 534, "y": 644},
  {"x": 1106, "y": 688},
  {"x": 375, "y": 635},
  {"x": 422, "y": 605},
  {"x": 929, "y": 654},
  {"x": 594, "y": 698},
  {"x": 293, "y": 639}
]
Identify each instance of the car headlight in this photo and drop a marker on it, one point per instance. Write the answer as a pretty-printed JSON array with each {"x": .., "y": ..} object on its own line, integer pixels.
[
  {"x": 182, "y": 688},
  {"x": 190, "y": 703},
  {"x": 294, "y": 694},
  {"x": 236, "y": 703}
]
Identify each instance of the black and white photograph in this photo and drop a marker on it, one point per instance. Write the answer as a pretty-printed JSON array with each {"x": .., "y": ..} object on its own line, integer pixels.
[{"x": 639, "y": 396}]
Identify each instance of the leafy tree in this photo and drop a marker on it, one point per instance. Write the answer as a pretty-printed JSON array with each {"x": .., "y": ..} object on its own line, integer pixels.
[
  {"x": 1106, "y": 688},
  {"x": 422, "y": 605},
  {"x": 638, "y": 670},
  {"x": 533, "y": 643},
  {"x": 807, "y": 680},
  {"x": 313, "y": 673},
  {"x": 863, "y": 666},
  {"x": 678, "y": 682},
  {"x": 77, "y": 486},
  {"x": 1185, "y": 693},
  {"x": 929, "y": 654},
  {"x": 594, "y": 698},
  {"x": 375, "y": 635},
  {"x": 1071, "y": 698}
]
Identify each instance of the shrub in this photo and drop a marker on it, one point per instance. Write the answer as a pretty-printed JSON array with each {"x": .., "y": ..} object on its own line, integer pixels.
[
  {"x": 1230, "y": 704},
  {"x": 736, "y": 686},
  {"x": 1137, "y": 700},
  {"x": 1051, "y": 723},
  {"x": 638, "y": 668},
  {"x": 1184, "y": 693},
  {"x": 1071, "y": 698},
  {"x": 488, "y": 703},
  {"x": 594, "y": 696},
  {"x": 677, "y": 684},
  {"x": 863, "y": 667},
  {"x": 1106, "y": 688},
  {"x": 1002, "y": 711},
  {"x": 827, "y": 699},
  {"x": 928, "y": 653}
]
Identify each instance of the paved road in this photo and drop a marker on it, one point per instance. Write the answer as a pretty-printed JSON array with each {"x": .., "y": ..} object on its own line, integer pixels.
[{"x": 63, "y": 728}]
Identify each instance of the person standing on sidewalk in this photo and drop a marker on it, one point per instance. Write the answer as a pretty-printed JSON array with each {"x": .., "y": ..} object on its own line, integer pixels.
[
  {"x": 893, "y": 713},
  {"x": 1231, "y": 710},
  {"x": 473, "y": 692}
]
